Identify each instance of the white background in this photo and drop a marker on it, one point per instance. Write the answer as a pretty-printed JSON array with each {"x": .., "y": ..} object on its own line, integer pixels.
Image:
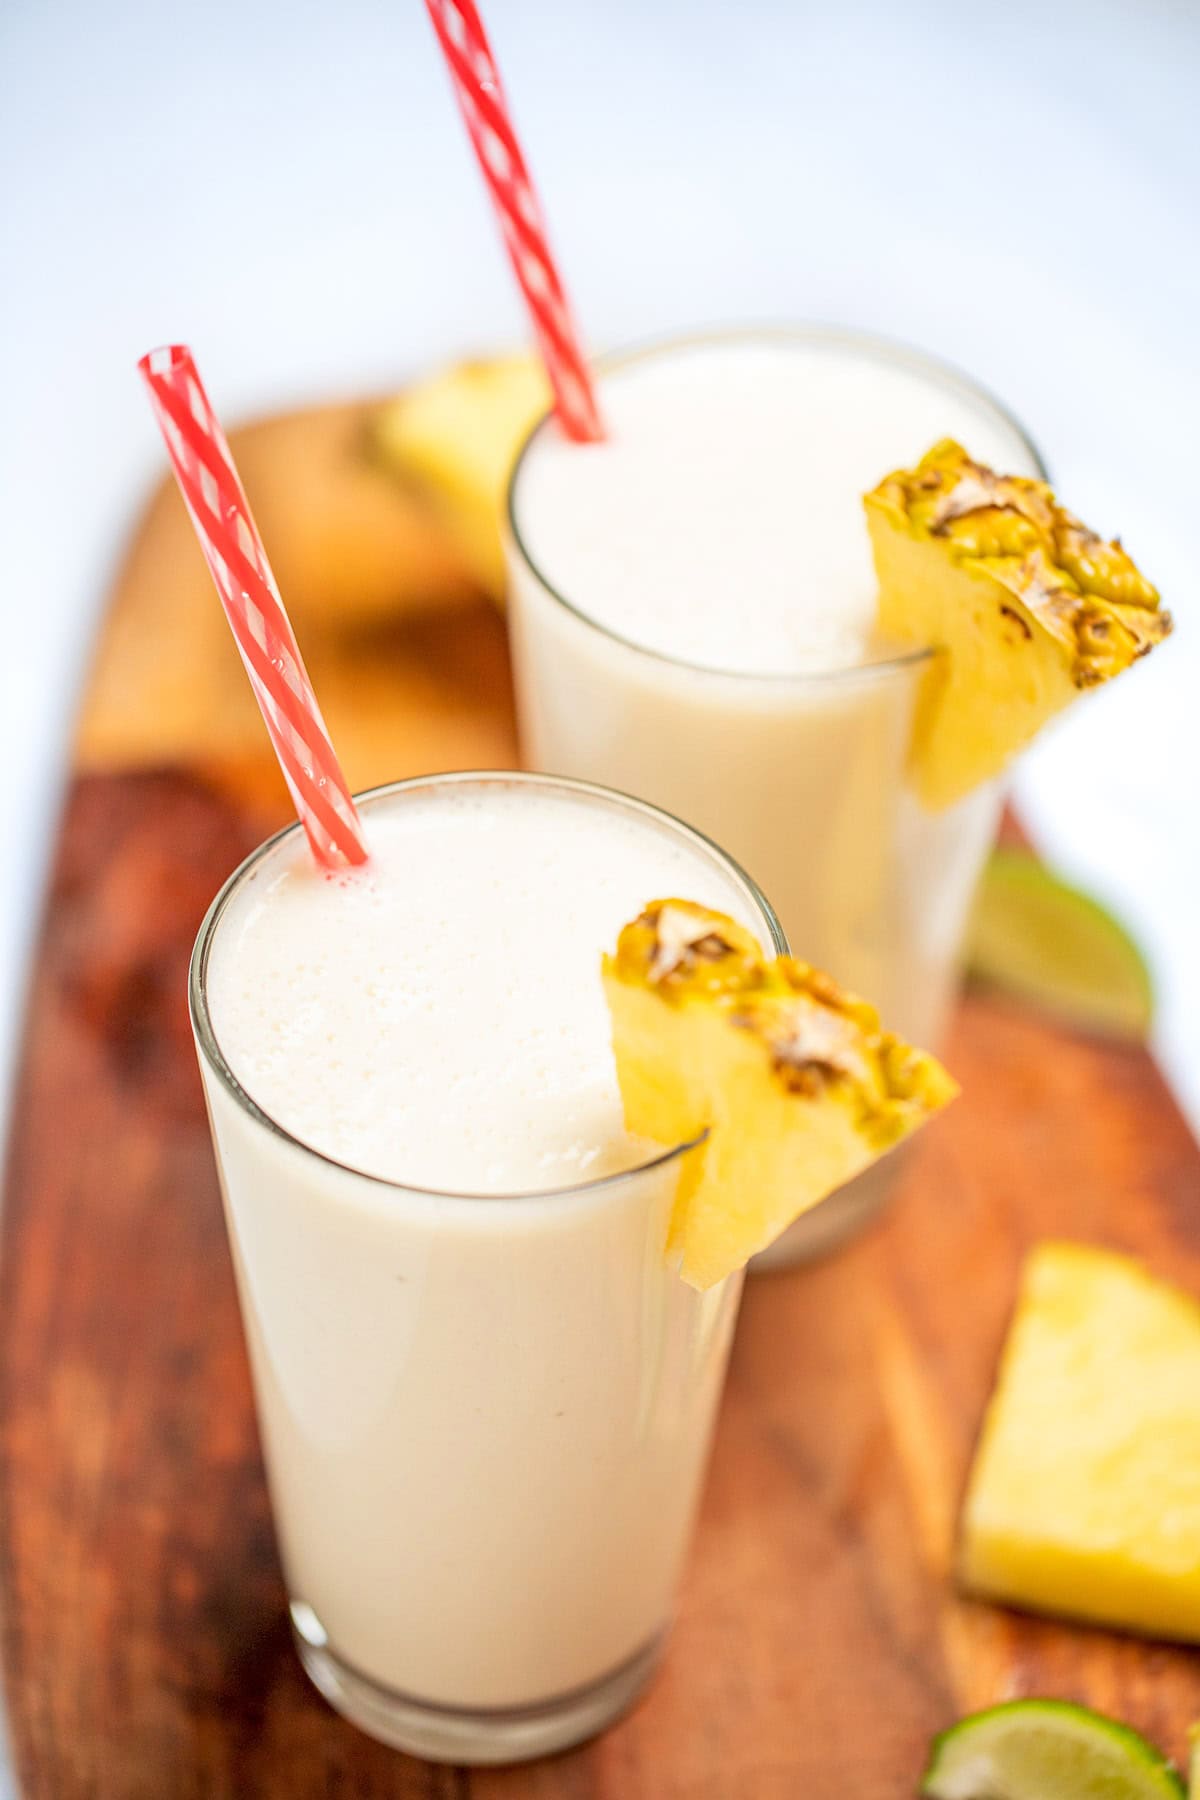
[{"x": 288, "y": 187}]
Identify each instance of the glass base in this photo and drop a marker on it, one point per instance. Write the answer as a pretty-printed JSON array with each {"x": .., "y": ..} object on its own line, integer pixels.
[
  {"x": 453, "y": 1734},
  {"x": 834, "y": 1221}
]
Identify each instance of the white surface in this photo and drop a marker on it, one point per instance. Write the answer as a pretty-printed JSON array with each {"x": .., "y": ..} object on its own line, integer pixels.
[{"x": 289, "y": 188}]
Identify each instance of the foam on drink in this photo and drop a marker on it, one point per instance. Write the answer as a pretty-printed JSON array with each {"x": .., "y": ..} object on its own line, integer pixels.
[
  {"x": 437, "y": 1016},
  {"x": 720, "y": 521}
]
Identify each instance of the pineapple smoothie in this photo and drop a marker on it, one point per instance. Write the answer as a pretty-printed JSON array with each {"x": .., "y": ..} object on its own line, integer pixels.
[
  {"x": 485, "y": 1398},
  {"x": 693, "y": 612}
]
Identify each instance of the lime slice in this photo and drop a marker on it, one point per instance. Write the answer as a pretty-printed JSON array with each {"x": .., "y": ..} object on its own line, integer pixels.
[
  {"x": 1034, "y": 935},
  {"x": 1046, "y": 1750},
  {"x": 1194, "y": 1762}
]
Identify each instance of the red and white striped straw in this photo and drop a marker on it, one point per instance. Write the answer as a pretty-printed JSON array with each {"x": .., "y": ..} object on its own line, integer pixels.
[
  {"x": 238, "y": 564},
  {"x": 489, "y": 125}
]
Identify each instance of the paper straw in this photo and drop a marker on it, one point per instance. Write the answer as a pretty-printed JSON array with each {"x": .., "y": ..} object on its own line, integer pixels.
[{"x": 238, "y": 563}]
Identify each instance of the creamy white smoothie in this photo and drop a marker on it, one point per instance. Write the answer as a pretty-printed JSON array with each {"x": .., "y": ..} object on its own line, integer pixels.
[
  {"x": 692, "y": 606},
  {"x": 485, "y": 1400}
]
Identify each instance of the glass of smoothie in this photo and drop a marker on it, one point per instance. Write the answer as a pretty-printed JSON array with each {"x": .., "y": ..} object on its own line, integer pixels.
[
  {"x": 485, "y": 1399},
  {"x": 692, "y": 615}
]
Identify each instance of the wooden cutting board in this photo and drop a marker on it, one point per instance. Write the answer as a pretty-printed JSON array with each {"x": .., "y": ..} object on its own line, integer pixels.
[{"x": 820, "y": 1641}]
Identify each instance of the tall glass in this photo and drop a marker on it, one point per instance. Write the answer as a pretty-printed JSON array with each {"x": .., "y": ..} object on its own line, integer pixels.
[
  {"x": 485, "y": 1417},
  {"x": 802, "y": 776}
]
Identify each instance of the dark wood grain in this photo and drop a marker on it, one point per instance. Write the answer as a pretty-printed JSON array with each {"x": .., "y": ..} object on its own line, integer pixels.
[{"x": 820, "y": 1641}]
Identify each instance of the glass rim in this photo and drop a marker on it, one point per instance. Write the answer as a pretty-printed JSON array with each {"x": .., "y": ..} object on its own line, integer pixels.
[
  {"x": 872, "y": 344},
  {"x": 208, "y": 1043}
]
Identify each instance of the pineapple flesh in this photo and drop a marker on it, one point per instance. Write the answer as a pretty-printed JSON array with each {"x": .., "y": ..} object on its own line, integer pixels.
[
  {"x": 1084, "y": 1499},
  {"x": 1023, "y": 606},
  {"x": 459, "y": 433},
  {"x": 789, "y": 1084}
]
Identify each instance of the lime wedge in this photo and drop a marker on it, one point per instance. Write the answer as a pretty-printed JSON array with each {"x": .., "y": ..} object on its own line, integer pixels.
[
  {"x": 1046, "y": 1750},
  {"x": 1194, "y": 1762},
  {"x": 1035, "y": 936}
]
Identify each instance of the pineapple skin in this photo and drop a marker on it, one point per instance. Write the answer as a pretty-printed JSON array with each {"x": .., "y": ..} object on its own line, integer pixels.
[
  {"x": 1024, "y": 607},
  {"x": 789, "y": 1082},
  {"x": 1084, "y": 1499}
]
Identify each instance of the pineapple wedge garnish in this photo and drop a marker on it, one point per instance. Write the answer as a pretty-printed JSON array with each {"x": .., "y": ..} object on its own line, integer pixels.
[
  {"x": 795, "y": 1084},
  {"x": 459, "y": 434},
  {"x": 1023, "y": 605},
  {"x": 1085, "y": 1495}
]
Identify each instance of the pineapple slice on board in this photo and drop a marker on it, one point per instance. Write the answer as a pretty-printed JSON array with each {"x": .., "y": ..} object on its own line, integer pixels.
[
  {"x": 1085, "y": 1495},
  {"x": 795, "y": 1083},
  {"x": 1024, "y": 606},
  {"x": 459, "y": 433}
]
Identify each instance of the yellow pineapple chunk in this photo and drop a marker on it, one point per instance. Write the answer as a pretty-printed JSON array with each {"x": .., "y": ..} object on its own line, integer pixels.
[
  {"x": 459, "y": 433},
  {"x": 794, "y": 1082},
  {"x": 1085, "y": 1495},
  {"x": 1023, "y": 606}
]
